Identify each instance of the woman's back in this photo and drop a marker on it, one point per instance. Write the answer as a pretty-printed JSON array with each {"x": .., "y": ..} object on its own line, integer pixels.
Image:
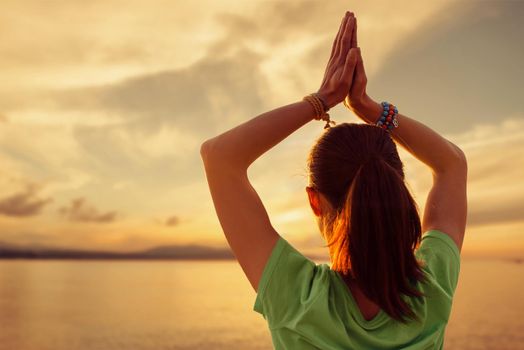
[{"x": 309, "y": 306}]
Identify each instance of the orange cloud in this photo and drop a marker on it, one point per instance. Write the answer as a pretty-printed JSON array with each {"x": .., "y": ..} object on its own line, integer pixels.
[
  {"x": 23, "y": 203},
  {"x": 173, "y": 221},
  {"x": 78, "y": 210}
]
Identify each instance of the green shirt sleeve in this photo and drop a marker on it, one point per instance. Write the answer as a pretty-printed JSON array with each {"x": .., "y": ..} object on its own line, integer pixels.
[
  {"x": 442, "y": 259},
  {"x": 288, "y": 284}
]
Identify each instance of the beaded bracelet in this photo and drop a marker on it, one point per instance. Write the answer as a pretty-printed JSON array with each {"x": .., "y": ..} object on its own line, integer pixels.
[
  {"x": 320, "y": 108},
  {"x": 388, "y": 120}
]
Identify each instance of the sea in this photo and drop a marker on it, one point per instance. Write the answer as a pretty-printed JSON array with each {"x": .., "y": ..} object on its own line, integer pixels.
[{"x": 146, "y": 305}]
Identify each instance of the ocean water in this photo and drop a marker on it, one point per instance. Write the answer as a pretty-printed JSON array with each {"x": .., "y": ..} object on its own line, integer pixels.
[{"x": 73, "y": 305}]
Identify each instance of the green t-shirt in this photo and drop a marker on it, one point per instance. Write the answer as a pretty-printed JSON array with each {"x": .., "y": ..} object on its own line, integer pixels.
[{"x": 308, "y": 306}]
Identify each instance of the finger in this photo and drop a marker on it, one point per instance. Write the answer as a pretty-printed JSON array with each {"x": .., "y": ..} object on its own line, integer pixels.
[
  {"x": 335, "y": 44},
  {"x": 353, "y": 29},
  {"x": 350, "y": 31},
  {"x": 340, "y": 31},
  {"x": 361, "y": 72},
  {"x": 346, "y": 41},
  {"x": 338, "y": 48},
  {"x": 354, "y": 42},
  {"x": 349, "y": 66}
]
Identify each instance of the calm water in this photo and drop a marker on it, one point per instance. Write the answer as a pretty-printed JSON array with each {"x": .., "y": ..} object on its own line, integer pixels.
[{"x": 72, "y": 305}]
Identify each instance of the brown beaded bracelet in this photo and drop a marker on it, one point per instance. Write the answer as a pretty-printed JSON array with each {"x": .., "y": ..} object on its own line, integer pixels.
[{"x": 320, "y": 108}]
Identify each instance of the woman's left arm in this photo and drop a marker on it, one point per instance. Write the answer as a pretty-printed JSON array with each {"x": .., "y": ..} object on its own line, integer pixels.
[
  {"x": 242, "y": 145},
  {"x": 227, "y": 157}
]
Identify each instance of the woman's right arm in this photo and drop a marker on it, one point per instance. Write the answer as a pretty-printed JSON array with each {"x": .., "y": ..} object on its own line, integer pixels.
[{"x": 446, "y": 205}]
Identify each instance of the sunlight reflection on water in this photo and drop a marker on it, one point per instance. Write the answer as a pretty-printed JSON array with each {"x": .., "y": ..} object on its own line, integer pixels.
[{"x": 73, "y": 305}]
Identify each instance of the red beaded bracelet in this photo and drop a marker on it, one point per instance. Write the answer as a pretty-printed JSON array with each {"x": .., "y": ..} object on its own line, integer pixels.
[{"x": 388, "y": 120}]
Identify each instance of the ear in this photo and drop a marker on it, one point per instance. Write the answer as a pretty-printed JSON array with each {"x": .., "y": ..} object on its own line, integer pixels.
[{"x": 314, "y": 200}]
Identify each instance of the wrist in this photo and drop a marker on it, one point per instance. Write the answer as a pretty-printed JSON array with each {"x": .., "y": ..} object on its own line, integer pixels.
[
  {"x": 367, "y": 109},
  {"x": 327, "y": 99}
]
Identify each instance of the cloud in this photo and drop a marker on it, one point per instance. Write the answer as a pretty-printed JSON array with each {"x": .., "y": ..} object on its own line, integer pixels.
[
  {"x": 456, "y": 69},
  {"x": 79, "y": 210},
  {"x": 507, "y": 211},
  {"x": 79, "y": 46},
  {"x": 197, "y": 99},
  {"x": 231, "y": 80},
  {"x": 231, "y": 83},
  {"x": 162, "y": 118},
  {"x": 494, "y": 190},
  {"x": 173, "y": 221},
  {"x": 24, "y": 203},
  {"x": 155, "y": 160}
]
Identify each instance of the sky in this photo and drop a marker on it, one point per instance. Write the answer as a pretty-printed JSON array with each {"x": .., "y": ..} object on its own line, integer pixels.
[{"x": 104, "y": 106}]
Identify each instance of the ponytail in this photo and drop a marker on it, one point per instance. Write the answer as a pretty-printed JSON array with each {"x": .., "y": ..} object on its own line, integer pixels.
[{"x": 374, "y": 235}]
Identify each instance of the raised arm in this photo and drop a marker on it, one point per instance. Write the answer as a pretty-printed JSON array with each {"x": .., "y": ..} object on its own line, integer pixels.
[
  {"x": 446, "y": 205},
  {"x": 227, "y": 156}
]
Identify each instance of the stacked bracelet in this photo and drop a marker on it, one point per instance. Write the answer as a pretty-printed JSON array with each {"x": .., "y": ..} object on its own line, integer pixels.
[
  {"x": 388, "y": 120},
  {"x": 320, "y": 108}
]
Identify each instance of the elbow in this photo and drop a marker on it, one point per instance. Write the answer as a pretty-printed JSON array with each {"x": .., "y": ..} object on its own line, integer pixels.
[
  {"x": 461, "y": 156},
  {"x": 205, "y": 149},
  {"x": 214, "y": 153},
  {"x": 455, "y": 162},
  {"x": 460, "y": 162}
]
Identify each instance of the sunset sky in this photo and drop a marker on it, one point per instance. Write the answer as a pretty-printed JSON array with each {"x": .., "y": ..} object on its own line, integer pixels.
[{"x": 104, "y": 106}]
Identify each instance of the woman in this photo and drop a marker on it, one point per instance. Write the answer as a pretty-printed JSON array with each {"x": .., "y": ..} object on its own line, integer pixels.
[{"x": 388, "y": 286}]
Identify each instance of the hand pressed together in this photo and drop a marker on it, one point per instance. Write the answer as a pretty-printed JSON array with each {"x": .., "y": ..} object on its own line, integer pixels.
[{"x": 344, "y": 78}]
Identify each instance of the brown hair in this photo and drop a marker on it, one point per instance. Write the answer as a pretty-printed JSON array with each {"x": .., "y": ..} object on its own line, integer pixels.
[{"x": 375, "y": 226}]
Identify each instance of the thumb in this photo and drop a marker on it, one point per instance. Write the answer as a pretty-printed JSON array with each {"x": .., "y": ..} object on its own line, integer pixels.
[
  {"x": 359, "y": 84},
  {"x": 360, "y": 64}
]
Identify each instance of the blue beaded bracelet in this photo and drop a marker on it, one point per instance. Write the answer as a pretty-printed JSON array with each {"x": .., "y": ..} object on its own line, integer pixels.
[{"x": 388, "y": 120}]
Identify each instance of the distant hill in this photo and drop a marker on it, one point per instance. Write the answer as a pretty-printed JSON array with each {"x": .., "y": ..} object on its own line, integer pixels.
[
  {"x": 189, "y": 252},
  {"x": 168, "y": 252},
  {"x": 197, "y": 252}
]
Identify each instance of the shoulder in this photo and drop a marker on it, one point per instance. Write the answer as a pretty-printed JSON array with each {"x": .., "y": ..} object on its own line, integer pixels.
[
  {"x": 440, "y": 257},
  {"x": 289, "y": 283},
  {"x": 436, "y": 242}
]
